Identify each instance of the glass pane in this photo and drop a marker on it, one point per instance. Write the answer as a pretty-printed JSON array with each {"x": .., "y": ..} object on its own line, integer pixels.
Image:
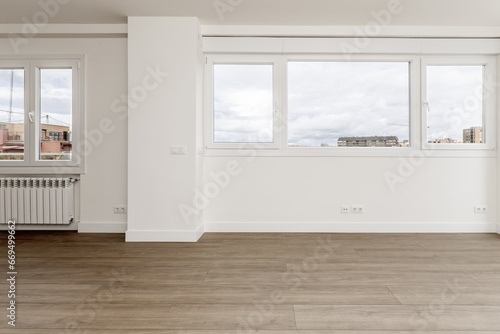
[
  {"x": 455, "y": 104},
  {"x": 356, "y": 104},
  {"x": 243, "y": 103},
  {"x": 56, "y": 96},
  {"x": 11, "y": 114}
]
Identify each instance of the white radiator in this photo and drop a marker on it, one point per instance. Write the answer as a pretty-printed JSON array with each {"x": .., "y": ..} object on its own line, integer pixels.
[{"x": 37, "y": 200}]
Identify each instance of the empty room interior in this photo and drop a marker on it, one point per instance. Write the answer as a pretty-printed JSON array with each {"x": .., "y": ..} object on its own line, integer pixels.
[{"x": 250, "y": 166}]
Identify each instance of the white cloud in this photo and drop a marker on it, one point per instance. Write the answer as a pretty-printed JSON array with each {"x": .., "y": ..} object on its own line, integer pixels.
[
  {"x": 454, "y": 94},
  {"x": 328, "y": 100},
  {"x": 56, "y": 96},
  {"x": 243, "y": 103}
]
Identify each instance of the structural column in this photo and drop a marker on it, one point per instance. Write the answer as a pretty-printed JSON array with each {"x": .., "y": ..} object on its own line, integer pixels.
[{"x": 165, "y": 69}]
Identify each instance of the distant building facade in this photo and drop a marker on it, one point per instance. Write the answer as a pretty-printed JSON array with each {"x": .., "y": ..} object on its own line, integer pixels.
[
  {"x": 54, "y": 138},
  {"x": 405, "y": 143},
  {"x": 373, "y": 141},
  {"x": 473, "y": 135},
  {"x": 444, "y": 141}
]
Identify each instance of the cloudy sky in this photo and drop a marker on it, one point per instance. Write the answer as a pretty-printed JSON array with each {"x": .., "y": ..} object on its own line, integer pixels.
[
  {"x": 454, "y": 94},
  {"x": 328, "y": 100},
  {"x": 243, "y": 103},
  {"x": 56, "y": 96},
  {"x": 17, "y": 95},
  {"x": 56, "y": 101}
]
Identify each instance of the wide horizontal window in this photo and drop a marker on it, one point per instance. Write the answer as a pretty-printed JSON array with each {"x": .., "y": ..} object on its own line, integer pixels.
[
  {"x": 386, "y": 105},
  {"x": 348, "y": 104},
  {"x": 40, "y": 117}
]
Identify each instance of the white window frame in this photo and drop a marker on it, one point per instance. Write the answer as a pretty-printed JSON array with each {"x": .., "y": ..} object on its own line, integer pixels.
[
  {"x": 489, "y": 101},
  {"x": 209, "y": 98},
  {"x": 31, "y": 164},
  {"x": 418, "y": 121},
  {"x": 414, "y": 67}
]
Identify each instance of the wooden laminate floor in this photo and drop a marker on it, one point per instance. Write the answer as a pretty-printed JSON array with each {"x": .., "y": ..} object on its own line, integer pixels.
[{"x": 256, "y": 283}]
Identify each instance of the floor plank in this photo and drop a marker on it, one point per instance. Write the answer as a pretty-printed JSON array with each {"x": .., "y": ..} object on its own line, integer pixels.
[
  {"x": 402, "y": 317},
  {"x": 453, "y": 294}
]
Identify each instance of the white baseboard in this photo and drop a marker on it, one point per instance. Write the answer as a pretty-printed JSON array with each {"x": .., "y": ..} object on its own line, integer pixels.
[
  {"x": 498, "y": 228},
  {"x": 39, "y": 227},
  {"x": 164, "y": 236},
  {"x": 102, "y": 227},
  {"x": 354, "y": 227}
]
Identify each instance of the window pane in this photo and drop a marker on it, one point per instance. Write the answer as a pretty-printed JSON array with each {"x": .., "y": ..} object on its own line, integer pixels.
[
  {"x": 348, "y": 104},
  {"x": 11, "y": 114},
  {"x": 56, "y": 96},
  {"x": 243, "y": 104},
  {"x": 455, "y": 100}
]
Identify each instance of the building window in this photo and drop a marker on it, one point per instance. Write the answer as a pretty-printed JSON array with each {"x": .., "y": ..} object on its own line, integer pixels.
[
  {"x": 348, "y": 104},
  {"x": 242, "y": 107},
  {"x": 40, "y": 118},
  {"x": 456, "y": 100}
]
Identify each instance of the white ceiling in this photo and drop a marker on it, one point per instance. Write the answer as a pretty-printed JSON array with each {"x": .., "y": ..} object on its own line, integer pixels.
[{"x": 266, "y": 12}]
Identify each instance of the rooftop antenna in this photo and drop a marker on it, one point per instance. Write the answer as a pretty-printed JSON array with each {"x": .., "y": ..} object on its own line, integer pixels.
[{"x": 11, "y": 94}]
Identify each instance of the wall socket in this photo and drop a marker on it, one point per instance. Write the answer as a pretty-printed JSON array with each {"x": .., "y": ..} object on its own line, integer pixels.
[
  {"x": 357, "y": 209},
  {"x": 120, "y": 209},
  {"x": 480, "y": 209}
]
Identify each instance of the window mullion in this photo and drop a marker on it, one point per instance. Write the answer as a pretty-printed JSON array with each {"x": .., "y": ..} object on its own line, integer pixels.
[{"x": 31, "y": 115}]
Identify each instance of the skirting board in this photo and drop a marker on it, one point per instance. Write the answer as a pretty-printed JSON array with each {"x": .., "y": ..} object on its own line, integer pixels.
[
  {"x": 39, "y": 227},
  {"x": 102, "y": 227},
  {"x": 354, "y": 227},
  {"x": 164, "y": 236},
  {"x": 498, "y": 228}
]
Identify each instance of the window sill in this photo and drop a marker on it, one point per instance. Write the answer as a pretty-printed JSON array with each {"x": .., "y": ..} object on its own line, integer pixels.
[
  {"x": 348, "y": 152},
  {"x": 25, "y": 170}
]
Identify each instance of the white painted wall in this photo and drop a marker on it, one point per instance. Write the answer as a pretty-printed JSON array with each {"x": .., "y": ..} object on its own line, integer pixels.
[
  {"x": 159, "y": 182},
  {"x": 306, "y": 193},
  {"x": 498, "y": 145},
  {"x": 271, "y": 193},
  {"x": 105, "y": 181}
]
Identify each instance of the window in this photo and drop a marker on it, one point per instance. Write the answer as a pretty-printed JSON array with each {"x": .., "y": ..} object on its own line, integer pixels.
[
  {"x": 348, "y": 104},
  {"x": 12, "y": 112},
  {"x": 374, "y": 105},
  {"x": 56, "y": 101},
  {"x": 455, "y": 103},
  {"x": 40, "y": 118},
  {"x": 242, "y": 104}
]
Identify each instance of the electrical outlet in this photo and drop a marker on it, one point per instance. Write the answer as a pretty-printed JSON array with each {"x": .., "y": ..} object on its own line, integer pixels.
[
  {"x": 345, "y": 209},
  {"x": 120, "y": 209},
  {"x": 480, "y": 209},
  {"x": 357, "y": 209}
]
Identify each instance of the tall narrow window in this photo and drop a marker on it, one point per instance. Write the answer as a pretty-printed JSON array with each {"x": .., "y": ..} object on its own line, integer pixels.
[
  {"x": 243, "y": 103},
  {"x": 348, "y": 104},
  {"x": 12, "y": 139},
  {"x": 55, "y": 119},
  {"x": 455, "y": 104}
]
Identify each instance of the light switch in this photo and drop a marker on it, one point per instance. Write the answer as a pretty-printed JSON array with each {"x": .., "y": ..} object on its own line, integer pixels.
[{"x": 178, "y": 150}]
